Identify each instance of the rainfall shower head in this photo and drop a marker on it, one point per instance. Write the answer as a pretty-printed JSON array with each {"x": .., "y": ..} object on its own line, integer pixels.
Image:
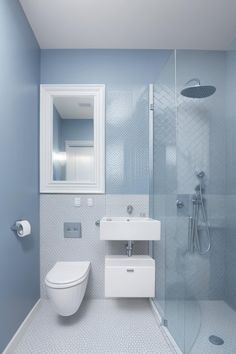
[{"x": 196, "y": 90}]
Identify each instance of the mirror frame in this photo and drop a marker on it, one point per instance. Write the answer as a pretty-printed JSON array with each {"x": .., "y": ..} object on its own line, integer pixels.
[{"x": 47, "y": 184}]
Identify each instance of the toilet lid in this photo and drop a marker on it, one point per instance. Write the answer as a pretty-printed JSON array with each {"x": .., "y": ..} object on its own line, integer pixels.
[{"x": 67, "y": 272}]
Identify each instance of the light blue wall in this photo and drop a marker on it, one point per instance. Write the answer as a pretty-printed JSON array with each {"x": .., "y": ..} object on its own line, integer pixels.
[
  {"x": 19, "y": 79},
  {"x": 77, "y": 129},
  {"x": 57, "y": 134},
  {"x": 68, "y": 129},
  {"x": 126, "y": 74}
]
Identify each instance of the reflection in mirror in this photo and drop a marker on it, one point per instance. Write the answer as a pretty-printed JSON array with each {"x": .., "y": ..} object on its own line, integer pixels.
[{"x": 73, "y": 139}]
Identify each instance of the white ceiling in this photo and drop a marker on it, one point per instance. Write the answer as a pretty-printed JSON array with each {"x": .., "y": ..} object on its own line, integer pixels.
[
  {"x": 132, "y": 24},
  {"x": 74, "y": 107}
]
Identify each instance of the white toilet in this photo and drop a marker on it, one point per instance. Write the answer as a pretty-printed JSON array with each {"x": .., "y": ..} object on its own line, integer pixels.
[{"x": 66, "y": 284}]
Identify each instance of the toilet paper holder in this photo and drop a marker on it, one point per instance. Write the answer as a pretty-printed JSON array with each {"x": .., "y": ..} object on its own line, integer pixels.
[
  {"x": 19, "y": 229},
  {"x": 15, "y": 227}
]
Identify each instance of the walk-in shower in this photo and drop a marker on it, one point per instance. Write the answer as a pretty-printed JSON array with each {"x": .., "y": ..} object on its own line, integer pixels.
[{"x": 194, "y": 129}]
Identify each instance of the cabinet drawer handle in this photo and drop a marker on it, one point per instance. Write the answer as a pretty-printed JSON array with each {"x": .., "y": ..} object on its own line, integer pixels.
[{"x": 129, "y": 270}]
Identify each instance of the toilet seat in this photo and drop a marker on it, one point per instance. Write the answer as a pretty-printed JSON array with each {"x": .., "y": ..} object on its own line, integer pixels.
[{"x": 67, "y": 274}]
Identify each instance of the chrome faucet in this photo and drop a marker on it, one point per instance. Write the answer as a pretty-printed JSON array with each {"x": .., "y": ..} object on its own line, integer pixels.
[{"x": 129, "y": 248}]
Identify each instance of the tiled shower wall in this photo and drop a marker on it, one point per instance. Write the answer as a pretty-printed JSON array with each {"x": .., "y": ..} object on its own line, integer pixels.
[
  {"x": 190, "y": 136},
  {"x": 201, "y": 145},
  {"x": 126, "y": 75}
]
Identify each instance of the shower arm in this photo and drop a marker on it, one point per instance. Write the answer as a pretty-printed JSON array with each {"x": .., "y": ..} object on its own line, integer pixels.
[{"x": 193, "y": 80}]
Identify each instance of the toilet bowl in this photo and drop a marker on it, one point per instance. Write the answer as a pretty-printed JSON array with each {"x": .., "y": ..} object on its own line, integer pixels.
[{"x": 66, "y": 284}]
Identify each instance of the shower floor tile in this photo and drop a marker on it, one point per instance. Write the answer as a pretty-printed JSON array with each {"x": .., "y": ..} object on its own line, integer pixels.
[
  {"x": 217, "y": 318},
  {"x": 120, "y": 326}
]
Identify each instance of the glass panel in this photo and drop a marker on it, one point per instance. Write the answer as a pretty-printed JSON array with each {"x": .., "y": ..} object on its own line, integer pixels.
[
  {"x": 73, "y": 139},
  {"x": 167, "y": 252},
  {"x": 194, "y": 162}
]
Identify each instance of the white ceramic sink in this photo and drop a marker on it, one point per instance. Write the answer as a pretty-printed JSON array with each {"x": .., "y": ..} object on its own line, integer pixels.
[{"x": 129, "y": 228}]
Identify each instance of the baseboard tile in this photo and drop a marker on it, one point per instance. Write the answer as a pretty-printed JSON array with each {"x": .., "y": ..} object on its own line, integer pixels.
[{"x": 21, "y": 330}]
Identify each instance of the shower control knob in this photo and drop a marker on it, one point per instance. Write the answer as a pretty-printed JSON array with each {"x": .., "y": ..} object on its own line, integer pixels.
[
  {"x": 130, "y": 209},
  {"x": 179, "y": 204}
]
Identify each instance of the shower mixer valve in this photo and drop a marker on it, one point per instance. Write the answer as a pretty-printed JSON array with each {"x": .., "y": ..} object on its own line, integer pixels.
[{"x": 179, "y": 204}]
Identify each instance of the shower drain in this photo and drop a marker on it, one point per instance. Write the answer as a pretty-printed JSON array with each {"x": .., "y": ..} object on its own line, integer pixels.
[{"x": 216, "y": 340}]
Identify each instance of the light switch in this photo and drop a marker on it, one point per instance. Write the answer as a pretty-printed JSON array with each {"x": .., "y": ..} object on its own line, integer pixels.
[
  {"x": 90, "y": 202},
  {"x": 77, "y": 201}
]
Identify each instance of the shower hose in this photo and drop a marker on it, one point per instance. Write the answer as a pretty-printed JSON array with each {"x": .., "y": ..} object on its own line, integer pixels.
[{"x": 194, "y": 234}]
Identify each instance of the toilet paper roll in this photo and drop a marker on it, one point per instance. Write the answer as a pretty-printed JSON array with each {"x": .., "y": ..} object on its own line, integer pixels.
[{"x": 23, "y": 228}]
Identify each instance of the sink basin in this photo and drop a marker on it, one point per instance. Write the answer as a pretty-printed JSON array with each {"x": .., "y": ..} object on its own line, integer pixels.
[{"x": 129, "y": 228}]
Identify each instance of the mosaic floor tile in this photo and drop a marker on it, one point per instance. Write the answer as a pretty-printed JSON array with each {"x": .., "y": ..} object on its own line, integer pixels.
[{"x": 124, "y": 326}]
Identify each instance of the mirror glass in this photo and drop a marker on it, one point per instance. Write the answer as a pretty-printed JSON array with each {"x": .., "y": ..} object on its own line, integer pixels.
[{"x": 73, "y": 139}]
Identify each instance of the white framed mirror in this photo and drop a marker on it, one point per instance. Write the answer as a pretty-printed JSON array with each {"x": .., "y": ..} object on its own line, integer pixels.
[{"x": 72, "y": 138}]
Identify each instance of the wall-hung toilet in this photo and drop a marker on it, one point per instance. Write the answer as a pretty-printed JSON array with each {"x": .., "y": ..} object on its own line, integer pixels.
[{"x": 66, "y": 284}]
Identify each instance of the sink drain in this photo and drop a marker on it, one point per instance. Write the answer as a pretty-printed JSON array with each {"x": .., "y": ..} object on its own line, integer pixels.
[{"x": 216, "y": 340}]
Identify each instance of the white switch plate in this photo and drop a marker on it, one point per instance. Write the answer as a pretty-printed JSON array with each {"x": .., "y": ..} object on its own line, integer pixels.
[
  {"x": 90, "y": 202},
  {"x": 77, "y": 201}
]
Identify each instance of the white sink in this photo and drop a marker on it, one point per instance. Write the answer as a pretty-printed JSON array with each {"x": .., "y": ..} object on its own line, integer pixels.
[{"x": 130, "y": 228}]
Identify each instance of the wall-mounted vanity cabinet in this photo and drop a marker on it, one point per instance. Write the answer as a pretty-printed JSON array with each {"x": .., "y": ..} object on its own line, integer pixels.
[
  {"x": 72, "y": 139},
  {"x": 129, "y": 276}
]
